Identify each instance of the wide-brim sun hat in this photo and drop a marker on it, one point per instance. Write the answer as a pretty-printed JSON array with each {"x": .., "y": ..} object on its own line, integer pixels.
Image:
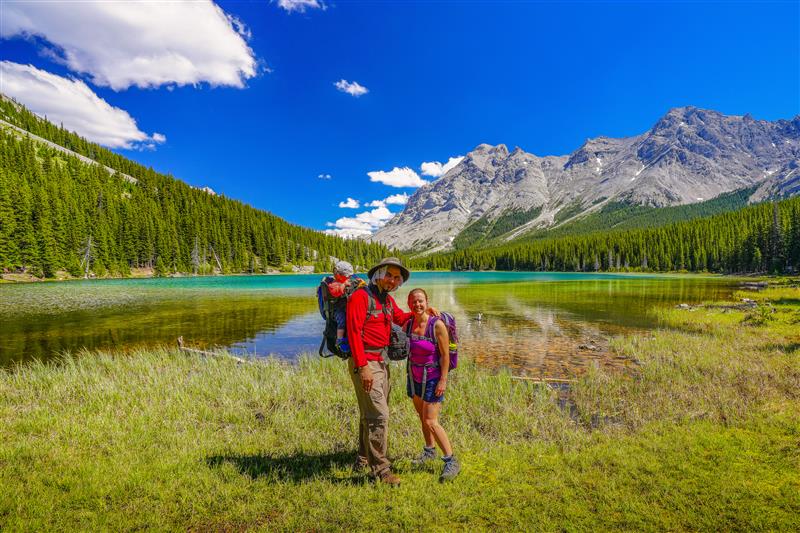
[{"x": 391, "y": 261}]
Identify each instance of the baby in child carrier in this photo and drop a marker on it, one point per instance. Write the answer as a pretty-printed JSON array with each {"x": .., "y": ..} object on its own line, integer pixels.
[{"x": 339, "y": 287}]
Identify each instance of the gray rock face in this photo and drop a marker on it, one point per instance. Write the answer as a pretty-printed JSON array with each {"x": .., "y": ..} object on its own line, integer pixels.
[
  {"x": 690, "y": 155},
  {"x": 781, "y": 184}
]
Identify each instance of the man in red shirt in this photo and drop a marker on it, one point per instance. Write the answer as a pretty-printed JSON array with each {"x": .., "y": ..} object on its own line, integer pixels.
[{"x": 370, "y": 313}]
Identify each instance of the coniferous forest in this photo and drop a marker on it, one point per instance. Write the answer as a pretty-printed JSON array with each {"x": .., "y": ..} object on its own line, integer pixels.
[
  {"x": 758, "y": 238},
  {"x": 59, "y": 213}
]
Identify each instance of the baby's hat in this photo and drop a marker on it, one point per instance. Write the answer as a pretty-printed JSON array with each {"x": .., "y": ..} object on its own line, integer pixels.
[{"x": 343, "y": 268}]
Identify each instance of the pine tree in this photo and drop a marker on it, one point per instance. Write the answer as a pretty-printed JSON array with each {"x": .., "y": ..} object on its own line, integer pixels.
[{"x": 161, "y": 267}]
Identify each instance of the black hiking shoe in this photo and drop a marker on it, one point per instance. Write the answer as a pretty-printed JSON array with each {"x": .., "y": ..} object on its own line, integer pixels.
[
  {"x": 451, "y": 469},
  {"x": 360, "y": 466}
]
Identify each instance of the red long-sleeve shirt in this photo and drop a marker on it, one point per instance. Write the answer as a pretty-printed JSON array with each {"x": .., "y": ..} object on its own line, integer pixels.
[{"x": 373, "y": 332}]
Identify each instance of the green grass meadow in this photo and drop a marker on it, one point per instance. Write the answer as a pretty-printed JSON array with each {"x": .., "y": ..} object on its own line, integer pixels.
[{"x": 704, "y": 436}]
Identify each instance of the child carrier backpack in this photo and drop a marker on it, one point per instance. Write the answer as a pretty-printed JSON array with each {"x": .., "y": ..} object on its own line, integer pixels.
[{"x": 327, "y": 302}]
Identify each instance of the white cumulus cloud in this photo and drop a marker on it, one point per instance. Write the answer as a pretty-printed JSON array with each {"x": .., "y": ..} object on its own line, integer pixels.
[
  {"x": 324, "y": 176},
  {"x": 436, "y": 169},
  {"x": 72, "y": 103},
  {"x": 300, "y": 5},
  {"x": 363, "y": 224},
  {"x": 397, "y": 177},
  {"x": 397, "y": 199},
  {"x": 145, "y": 44},
  {"x": 350, "y": 203},
  {"x": 352, "y": 88}
]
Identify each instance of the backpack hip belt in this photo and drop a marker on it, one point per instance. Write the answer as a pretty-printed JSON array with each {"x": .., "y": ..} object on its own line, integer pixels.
[
  {"x": 425, "y": 368},
  {"x": 382, "y": 350}
]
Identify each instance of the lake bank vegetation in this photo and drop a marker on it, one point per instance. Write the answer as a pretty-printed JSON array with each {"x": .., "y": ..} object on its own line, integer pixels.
[{"x": 702, "y": 436}]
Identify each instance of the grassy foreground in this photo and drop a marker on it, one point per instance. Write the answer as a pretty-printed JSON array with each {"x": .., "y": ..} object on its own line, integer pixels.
[{"x": 705, "y": 437}]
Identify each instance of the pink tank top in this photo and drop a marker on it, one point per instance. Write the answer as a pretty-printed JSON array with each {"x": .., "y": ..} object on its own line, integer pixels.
[{"x": 424, "y": 352}]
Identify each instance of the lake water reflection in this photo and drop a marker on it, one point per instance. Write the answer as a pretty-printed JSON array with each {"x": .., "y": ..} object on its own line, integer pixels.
[{"x": 540, "y": 324}]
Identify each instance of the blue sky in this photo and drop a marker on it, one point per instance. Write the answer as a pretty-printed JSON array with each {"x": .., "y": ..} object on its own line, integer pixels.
[{"x": 256, "y": 115}]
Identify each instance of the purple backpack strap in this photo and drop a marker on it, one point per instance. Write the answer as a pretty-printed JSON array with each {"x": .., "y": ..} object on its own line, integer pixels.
[
  {"x": 429, "y": 334},
  {"x": 429, "y": 331}
]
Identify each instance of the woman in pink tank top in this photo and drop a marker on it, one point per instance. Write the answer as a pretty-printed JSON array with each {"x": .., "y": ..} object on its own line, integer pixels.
[{"x": 426, "y": 382}]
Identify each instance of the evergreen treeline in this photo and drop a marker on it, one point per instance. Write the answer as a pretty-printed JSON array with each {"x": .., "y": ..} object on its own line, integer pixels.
[
  {"x": 487, "y": 233},
  {"x": 58, "y": 213},
  {"x": 622, "y": 215},
  {"x": 759, "y": 238}
]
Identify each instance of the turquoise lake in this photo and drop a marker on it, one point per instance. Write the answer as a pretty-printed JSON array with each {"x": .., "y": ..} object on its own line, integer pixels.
[{"x": 553, "y": 324}]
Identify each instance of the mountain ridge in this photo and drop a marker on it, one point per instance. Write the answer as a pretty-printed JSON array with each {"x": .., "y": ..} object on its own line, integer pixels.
[{"x": 689, "y": 155}]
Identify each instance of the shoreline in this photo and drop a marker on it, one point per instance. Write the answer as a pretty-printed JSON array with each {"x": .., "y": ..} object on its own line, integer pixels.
[{"x": 22, "y": 279}]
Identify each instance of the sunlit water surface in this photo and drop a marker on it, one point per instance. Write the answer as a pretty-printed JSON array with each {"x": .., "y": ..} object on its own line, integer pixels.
[{"x": 539, "y": 324}]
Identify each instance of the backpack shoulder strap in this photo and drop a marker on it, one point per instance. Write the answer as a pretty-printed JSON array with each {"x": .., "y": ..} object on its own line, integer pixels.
[
  {"x": 389, "y": 306},
  {"x": 352, "y": 285},
  {"x": 371, "y": 302},
  {"x": 429, "y": 329},
  {"x": 427, "y": 334},
  {"x": 372, "y": 308}
]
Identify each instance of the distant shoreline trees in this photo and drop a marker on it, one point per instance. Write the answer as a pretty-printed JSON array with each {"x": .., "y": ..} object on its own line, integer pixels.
[{"x": 758, "y": 238}]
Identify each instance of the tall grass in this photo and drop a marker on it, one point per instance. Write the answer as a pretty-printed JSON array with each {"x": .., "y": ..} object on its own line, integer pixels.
[{"x": 704, "y": 436}]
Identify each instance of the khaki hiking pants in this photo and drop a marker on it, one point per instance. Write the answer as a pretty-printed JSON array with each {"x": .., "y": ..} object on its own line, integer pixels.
[{"x": 373, "y": 407}]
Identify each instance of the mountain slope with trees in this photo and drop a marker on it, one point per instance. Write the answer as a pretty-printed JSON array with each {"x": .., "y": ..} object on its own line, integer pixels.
[
  {"x": 59, "y": 213},
  {"x": 487, "y": 233}
]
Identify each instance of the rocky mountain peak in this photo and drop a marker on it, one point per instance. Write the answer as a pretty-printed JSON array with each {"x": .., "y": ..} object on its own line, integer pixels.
[
  {"x": 595, "y": 151},
  {"x": 485, "y": 157},
  {"x": 500, "y": 151},
  {"x": 689, "y": 155},
  {"x": 484, "y": 149}
]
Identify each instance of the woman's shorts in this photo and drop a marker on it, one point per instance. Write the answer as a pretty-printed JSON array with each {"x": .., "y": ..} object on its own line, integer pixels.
[{"x": 430, "y": 390}]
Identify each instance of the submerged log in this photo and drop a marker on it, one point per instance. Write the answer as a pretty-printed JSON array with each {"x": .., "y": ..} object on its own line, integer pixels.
[
  {"x": 183, "y": 348},
  {"x": 544, "y": 380}
]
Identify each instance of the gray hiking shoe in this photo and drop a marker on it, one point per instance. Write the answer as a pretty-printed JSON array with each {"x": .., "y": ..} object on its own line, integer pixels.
[
  {"x": 451, "y": 470},
  {"x": 427, "y": 455}
]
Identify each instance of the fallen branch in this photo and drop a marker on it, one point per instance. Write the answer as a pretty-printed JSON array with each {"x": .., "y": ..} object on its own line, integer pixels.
[
  {"x": 544, "y": 380},
  {"x": 183, "y": 348}
]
